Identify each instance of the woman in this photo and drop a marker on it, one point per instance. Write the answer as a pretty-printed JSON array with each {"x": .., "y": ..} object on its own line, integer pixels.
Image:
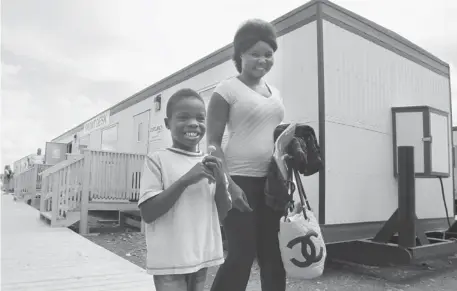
[{"x": 251, "y": 109}]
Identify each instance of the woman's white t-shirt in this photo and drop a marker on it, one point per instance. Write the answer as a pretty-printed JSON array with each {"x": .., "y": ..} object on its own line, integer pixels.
[{"x": 252, "y": 121}]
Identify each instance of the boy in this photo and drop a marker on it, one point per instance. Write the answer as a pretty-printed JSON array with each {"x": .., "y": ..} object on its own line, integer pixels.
[{"x": 182, "y": 194}]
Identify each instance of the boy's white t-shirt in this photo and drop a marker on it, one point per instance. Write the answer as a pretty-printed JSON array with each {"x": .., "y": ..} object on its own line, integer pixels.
[{"x": 188, "y": 237}]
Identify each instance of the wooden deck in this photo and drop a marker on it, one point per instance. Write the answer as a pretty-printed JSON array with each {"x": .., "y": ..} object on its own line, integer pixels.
[{"x": 37, "y": 257}]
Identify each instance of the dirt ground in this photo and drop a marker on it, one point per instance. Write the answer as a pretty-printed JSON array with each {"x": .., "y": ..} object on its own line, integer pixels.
[{"x": 433, "y": 275}]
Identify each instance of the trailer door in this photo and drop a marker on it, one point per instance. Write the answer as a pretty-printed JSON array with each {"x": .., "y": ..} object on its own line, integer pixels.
[{"x": 55, "y": 153}]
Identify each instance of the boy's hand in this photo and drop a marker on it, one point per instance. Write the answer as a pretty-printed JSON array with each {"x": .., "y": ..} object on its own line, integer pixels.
[
  {"x": 199, "y": 172},
  {"x": 214, "y": 164}
]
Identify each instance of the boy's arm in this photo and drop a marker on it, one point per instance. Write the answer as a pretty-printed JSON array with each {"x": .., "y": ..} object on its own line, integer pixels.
[
  {"x": 154, "y": 200},
  {"x": 222, "y": 197}
]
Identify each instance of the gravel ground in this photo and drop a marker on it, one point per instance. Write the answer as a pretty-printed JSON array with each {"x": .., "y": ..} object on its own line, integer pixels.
[{"x": 431, "y": 275}]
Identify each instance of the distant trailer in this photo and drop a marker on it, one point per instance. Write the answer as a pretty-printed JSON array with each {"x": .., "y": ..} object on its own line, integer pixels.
[
  {"x": 454, "y": 161},
  {"x": 342, "y": 74}
]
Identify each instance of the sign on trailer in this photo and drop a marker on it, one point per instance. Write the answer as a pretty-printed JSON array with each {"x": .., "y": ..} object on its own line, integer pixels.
[{"x": 97, "y": 122}]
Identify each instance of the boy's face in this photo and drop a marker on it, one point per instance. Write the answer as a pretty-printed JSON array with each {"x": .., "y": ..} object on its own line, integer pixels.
[{"x": 187, "y": 123}]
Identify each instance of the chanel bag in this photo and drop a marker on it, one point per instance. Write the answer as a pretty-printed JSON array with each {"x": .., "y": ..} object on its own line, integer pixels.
[{"x": 301, "y": 243}]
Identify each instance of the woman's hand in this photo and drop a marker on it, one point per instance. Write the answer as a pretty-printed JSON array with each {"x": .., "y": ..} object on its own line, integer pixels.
[{"x": 239, "y": 199}]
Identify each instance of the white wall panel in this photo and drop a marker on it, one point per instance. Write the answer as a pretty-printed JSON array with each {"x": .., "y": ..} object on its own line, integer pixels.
[{"x": 362, "y": 82}]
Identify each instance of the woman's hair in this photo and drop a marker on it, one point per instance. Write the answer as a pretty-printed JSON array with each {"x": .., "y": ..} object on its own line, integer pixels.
[{"x": 249, "y": 33}]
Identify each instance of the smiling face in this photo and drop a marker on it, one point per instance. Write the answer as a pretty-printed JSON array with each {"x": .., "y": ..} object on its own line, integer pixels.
[
  {"x": 187, "y": 123},
  {"x": 257, "y": 60}
]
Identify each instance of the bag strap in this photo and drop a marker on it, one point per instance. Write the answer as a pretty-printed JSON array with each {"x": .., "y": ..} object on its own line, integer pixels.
[
  {"x": 290, "y": 189},
  {"x": 302, "y": 194},
  {"x": 292, "y": 172},
  {"x": 301, "y": 191}
]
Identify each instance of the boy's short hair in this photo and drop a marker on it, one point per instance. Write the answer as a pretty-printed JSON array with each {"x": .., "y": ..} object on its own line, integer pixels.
[{"x": 180, "y": 95}]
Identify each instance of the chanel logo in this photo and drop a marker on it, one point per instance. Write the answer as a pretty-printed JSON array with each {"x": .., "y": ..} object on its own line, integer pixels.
[{"x": 310, "y": 257}]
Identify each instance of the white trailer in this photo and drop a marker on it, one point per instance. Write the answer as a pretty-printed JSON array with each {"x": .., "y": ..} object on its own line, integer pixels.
[{"x": 342, "y": 74}]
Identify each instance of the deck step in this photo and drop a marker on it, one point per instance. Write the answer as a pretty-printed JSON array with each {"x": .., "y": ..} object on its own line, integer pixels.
[
  {"x": 72, "y": 218},
  {"x": 118, "y": 205},
  {"x": 131, "y": 218}
]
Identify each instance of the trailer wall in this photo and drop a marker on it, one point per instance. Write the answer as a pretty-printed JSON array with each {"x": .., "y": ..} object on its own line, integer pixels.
[{"x": 363, "y": 80}]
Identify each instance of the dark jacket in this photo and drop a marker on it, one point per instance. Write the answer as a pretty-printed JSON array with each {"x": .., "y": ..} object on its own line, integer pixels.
[{"x": 304, "y": 155}]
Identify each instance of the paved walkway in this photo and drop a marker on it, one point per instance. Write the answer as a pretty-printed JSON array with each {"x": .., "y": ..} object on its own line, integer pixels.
[{"x": 35, "y": 256}]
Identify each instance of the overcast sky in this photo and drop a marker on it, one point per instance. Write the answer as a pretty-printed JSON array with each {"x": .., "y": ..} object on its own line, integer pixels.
[{"x": 66, "y": 61}]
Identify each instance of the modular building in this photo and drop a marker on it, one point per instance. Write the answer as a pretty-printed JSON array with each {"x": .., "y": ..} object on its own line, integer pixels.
[
  {"x": 341, "y": 74},
  {"x": 26, "y": 162}
]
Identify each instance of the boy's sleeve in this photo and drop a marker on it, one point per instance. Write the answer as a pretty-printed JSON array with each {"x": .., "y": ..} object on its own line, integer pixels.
[{"x": 151, "y": 178}]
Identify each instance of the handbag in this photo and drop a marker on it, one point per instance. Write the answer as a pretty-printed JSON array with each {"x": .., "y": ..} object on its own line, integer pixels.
[
  {"x": 304, "y": 155},
  {"x": 277, "y": 189},
  {"x": 302, "y": 246},
  {"x": 303, "y": 148}
]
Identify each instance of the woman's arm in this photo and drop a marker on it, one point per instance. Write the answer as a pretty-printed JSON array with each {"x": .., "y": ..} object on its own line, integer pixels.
[
  {"x": 222, "y": 197},
  {"x": 218, "y": 115}
]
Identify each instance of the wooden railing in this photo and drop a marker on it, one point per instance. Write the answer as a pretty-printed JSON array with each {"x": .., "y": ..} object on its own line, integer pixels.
[
  {"x": 62, "y": 189},
  {"x": 29, "y": 182},
  {"x": 8, "y": 185},
  {"x": 73, "y": 156},
  {"x": 114, "y": 176},
  {"x": 94, "y": 177}
]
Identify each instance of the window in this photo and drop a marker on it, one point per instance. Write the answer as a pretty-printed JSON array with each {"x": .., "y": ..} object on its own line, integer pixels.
[
  {"x": 84, "y": 140},
  {"x": 82, "y": 143},
  {"x": 140, "y": 132},
  {"x": 109, "y": 138},
  {"x": 206, "y": 95}
]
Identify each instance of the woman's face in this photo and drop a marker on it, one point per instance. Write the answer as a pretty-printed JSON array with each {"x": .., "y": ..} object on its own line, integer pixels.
[{"x": 257, "y": 61}]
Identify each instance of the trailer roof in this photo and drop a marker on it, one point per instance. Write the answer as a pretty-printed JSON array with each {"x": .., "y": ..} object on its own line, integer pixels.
[{"x": 284, "y": 24}]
